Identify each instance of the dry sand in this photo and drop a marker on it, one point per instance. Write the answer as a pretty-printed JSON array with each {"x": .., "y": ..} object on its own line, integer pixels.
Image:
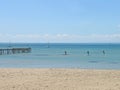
[{"x": 59, "y": 79}]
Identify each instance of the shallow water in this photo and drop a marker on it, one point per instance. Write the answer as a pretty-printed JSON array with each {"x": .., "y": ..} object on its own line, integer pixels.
[{"x": 53, "y": 57}]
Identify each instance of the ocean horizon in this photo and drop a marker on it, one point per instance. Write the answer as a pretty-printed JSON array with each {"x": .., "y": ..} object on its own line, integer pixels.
[{"x": 52, "y": 55}]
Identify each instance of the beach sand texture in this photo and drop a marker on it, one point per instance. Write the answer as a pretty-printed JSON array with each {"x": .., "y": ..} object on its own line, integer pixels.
[{"x": 59, "y": 79}]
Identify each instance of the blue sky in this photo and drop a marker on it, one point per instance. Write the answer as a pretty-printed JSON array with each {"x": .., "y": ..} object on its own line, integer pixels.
[{"x": 60, "y": 21}]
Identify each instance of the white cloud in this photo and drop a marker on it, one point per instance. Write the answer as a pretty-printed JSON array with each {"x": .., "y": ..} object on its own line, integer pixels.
[{"x": 108, "y": 38}]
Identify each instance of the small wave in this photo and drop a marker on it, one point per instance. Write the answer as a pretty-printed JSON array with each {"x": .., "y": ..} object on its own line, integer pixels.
[
  {"x": 41, "y": 55},
  {"x": 93, "y": 61},
  {"x": 113, "y": 62}
]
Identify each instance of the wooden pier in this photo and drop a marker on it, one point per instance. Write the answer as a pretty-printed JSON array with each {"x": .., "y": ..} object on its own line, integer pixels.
[{"x": 14, "y": 51}]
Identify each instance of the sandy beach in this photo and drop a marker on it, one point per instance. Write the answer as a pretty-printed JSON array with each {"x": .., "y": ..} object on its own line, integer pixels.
[{"x": 59, "y": 79}]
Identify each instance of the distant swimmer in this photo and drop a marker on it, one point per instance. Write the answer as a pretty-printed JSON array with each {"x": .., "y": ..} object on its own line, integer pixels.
[
  {"x": 103, "y": 52},
  {"x": 88, "y": 53},
  {"x": 65, "y": 52}
]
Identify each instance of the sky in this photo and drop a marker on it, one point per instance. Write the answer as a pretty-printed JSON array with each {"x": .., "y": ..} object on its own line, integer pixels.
[{"x": 60, "y": 21}]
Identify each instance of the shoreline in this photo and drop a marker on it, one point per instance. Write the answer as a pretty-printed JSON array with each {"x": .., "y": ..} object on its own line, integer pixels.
[{"x": 58, "y": 79}]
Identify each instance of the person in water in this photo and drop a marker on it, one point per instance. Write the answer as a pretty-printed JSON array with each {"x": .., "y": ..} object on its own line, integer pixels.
[
  {"x": 103, "y": 52},
  {"x": 88, "y": 53},
  {"x": 65, "y": 52}
]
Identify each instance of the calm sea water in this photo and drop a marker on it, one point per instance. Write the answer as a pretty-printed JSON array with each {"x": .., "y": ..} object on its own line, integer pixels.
[{"x": 53, "y": 57}]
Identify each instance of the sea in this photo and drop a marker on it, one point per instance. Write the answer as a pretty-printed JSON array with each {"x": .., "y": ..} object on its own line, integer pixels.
[{"x": 63, "y": 55}]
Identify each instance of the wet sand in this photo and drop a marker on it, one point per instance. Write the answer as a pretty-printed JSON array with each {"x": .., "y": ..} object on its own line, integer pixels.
[{"x": 59, "y": 79}]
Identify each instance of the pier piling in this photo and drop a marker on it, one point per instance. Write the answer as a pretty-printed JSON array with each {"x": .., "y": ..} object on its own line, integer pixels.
[{"x": 14, "y": 51}]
